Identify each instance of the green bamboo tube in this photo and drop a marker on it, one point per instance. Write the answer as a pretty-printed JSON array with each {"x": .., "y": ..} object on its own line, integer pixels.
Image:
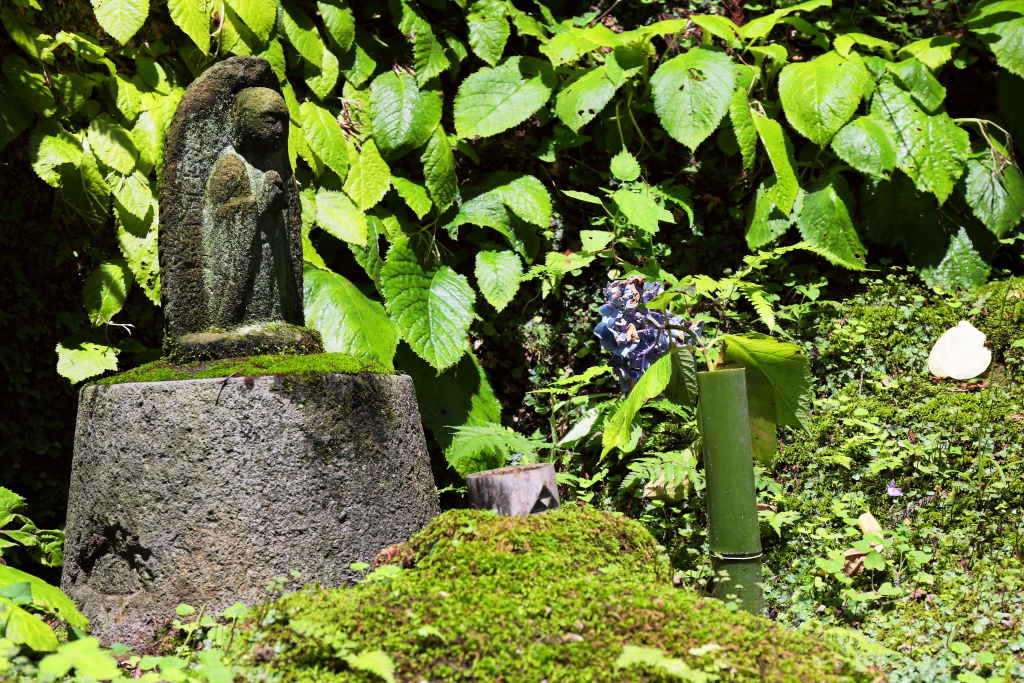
[{"x": 733, "y": 534}]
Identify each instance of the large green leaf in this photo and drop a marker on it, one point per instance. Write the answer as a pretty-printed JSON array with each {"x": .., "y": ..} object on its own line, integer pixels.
[
  {"x": 932, "y": 150},
  {"x": 439, "y": 169},
  {"x": 112, "y": 144},
  {"x": 868, "y": 144},
  {"x": 22, "y": 628},
  {"x": 995, "y": 190},
  {"x": 339, "y": 22},
  {"x": 428, "y": 54},
  {"x": 369, "y": 177},
  {"x": 323, "y": 80},
  {"x": 641, "y": 210},
  {"x": 498, "y": 275},
  {"x": 682, "y": 387},
  {"x": 692, "y": 93},
  {"x": 86, "y": 657},
  {"x": 577, "y": 104},
  {"x": 414, "y": 194},
  {"x": 778, "y": 365},
  {"x": 193, "y": 17},
  {"x": 49, "y": 147},
  {"x": 84, "y": 190},
  {"x": 402, "y": 115},
  {"x": 106, "y": 289},
  {"x": 962, "y": 267},
  {"x": 433, "y": 307},
  {"x": 324, "y": 136},
  {"x": 783, "y": 193},
  {"x": 44, "y": 596},
  {"x": 768, "y": 223},
  {"x": 121, "y": 18},
  {"x": 825, "y": 222},
  {"x": 137, "y": 241},
  {"x": 932, "y": 52},
  {"x": 488, "y": 29},
  {"x": 349, "y": 322},
  {"x": 258, "y": 15},
  {"x": 79, "y": 359},
  {"x": 336, "y": 214},
  {"x": 821, "y": 95},
  {"x": 525, "y": 195},
  {"x": 492, "y": 100},
  {"x": 1006, "y": 38},
  {"x": 302, "y": 33},
  {"x": 741, "y": 116},
  {"x": 619, "y": 427},
  {"x": 917, "y": 79}
]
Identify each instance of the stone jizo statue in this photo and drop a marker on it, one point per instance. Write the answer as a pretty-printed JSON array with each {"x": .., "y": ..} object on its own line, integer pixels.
[{"x": 230, "y": 228}]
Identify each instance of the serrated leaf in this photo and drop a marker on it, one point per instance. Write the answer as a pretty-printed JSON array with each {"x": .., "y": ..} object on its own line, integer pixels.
[
  {"x": 28, "y": 82},
  {"x": 488, "y": 29},
  {"x": 868, "y": 144},
  {"x": 1002, "y": 29},
  {"x": 995, "y": 191},
  {"x": 498, "y": 275},
  {"x": 618, "y": 427},
  {"x": 336, "y": 214},
  {"x": 126, "y": 96},
  {"x": 821, "y": 95},
  {"x": 718, "y": 26},
  {"x": 932, "y": 52},
  {"x": 83, "y": 189},
  {"x": 49, "y": 147},
  {"x": 433, "y": 308},
  {"x": 740, "y": 115},
  {"x": 133, "y": 193},
  {"x": 682, "y": 386},
  {"x": 492, "y": 100},
  {"x": 825, "y": 222},
  {"x": 192, "y": 17},
  {"x": 137, "y": 241},
  {"x": 429, "y": 58},
  {"x": 358, "y": 65},
  {"x": 932, "y": 150},
  {"x": 439, "y": 169},
  {"x": 414, "y": 194},
  {"x": 369, "y": 177},
  {"x": 79, "y": 360},
  {"x": 578, "y": 104},
  {"x": 122, "y": 19},
  {"x": 106, "y": 289},
  {"x": 760, "y": 27},
  {"x": 783, "y": 193},
  {"x": 778, "y": 365},
  {"x": 525, "y": 195},
  {"x": 641, "y": 210},
  {"x": 625, "y": 167},
  {"x": 87, "y": 658},
  {"x": 692, "y": 92},
  {"x": 302, "y": 33},
  {"x": 322, "y": 83},
  {"x": 23, "y": 628},
  {"x": 915, "y": 78},
  {"x": 962, "y": 267},
  {"x": 844, "y": 43},
  {"x": 767, "y": 223},
  {"x": 339, "y": 21},
  {"x": 566, "y": 47},
  {"x": 258, "y": 15},
  {"x": 44, "y": 596},
  {"x": 325, "y": 138},
  {"x": 402, "y": 115},
  {"x": 112, "y": 144},
  {"x": 348, "y": 321}
]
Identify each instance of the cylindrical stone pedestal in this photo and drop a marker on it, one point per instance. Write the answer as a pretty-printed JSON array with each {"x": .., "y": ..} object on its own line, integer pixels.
[{"x": 200, "y": 491}]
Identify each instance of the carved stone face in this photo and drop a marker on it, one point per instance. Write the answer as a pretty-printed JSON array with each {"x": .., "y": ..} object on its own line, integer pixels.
[{"x": 261, "y": 120}]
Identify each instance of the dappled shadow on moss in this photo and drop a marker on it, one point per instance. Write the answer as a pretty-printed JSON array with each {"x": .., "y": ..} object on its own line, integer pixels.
[
  {"x": 253, "y": 366},
  {"x": 554, "y": 596}
]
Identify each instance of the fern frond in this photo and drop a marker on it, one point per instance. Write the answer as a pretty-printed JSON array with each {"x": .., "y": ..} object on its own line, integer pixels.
[{"x": 755, "y": 295}]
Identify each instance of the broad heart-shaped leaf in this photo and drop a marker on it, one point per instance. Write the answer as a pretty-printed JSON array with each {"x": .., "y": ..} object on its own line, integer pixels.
[
  {"x": 121, "y": 18},
  {"x": 106, "y": 289},
  {"x": 339, "y": 22},
  {"x": 349, "y": 322},
  {"x": 915, "y": 78},
  {"x": 624, "y": 166},
  {"x": 578, "y": 104},
  {"x": 821, "y": 95},
  {"x": 258, "y": 15},
  {"x": 433, "y": 308},
  {"x": 402, "y": 115},
  {"x": 336, "y": 214},
  {"x": 192, "y": 17},
  {"x": 783, "y": 193},
  {"x": 498, "y": 275},
  {"x": 324, "y": 137},
  {"x": 692, "y": 93},
  {"x": 492, "y": 100},
  {"x": 439, "y": 169},
  {"x": 414, "y": 194},
  {"x": 641, "y": 210},
  {"x": 302, "y": 33},
  {"x": 779, "y": 365},
  {"x": 112, "y": 144},
  {"x": 932, "y": 150},
  {"x": 619, "y": 426},
  {"x": 741, "y": 116},
  {"x": 488, "y": 29},
  {"x": 44, "y": 596},
  {"x": 995, "y": 190},
  {"x": 961, "y": 268},
  {"x": 868, "y": 144},
  {"x": 23, "y": 628},
  {"x": 825, "y": 222},
  {"x": 369, "y": 177}
]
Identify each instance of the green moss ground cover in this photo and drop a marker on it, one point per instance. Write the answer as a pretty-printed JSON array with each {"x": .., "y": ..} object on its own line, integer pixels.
[{"x": 253, "y": 366}]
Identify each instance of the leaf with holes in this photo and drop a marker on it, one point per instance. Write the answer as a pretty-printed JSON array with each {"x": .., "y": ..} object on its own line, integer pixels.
[
  {"x": 821, "y": 95},
  {"x": 432, "y": 307},
  {"x": 493, "y": 100},
  {"x": 692, "y": 93},
  {"x": 488, "y": 29},
  {"x": 79, "y": 359},
  {"x": 348, "y": 321},
  {"x": 578, "y": 104},
  {"x": 498, "y": 274},
  {"x": 403, "y": 116},
  {"x": 868, "y": 144},
  {"x": 825, "y": 222}
]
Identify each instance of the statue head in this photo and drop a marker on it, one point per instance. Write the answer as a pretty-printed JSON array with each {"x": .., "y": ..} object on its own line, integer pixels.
[{"x": 260, "y": 118}]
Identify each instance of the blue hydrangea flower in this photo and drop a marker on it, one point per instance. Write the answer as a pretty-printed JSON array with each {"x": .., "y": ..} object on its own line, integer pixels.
[{"x": 635, "y": 335}]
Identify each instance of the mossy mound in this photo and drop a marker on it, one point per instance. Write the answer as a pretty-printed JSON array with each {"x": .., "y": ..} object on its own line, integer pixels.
[
  {"x": 253, "y": 366},
  {"x": 552, "y": 597}
]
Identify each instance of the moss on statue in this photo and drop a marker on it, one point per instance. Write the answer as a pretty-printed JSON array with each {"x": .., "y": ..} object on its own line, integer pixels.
[
  {"x": 555, "y": 596},
  {"x": 253, "y": 366}
]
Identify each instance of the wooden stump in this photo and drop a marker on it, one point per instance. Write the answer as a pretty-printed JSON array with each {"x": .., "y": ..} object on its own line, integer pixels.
[{"x": 514, "y": 491}]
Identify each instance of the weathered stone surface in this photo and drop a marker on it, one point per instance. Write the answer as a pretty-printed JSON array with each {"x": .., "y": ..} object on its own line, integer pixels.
[
  {"x": 200, "y": 491},
  {"x": 230, "y": 219}
]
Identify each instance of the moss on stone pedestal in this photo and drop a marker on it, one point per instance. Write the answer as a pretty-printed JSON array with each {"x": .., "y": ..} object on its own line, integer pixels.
[
  {"x": 252, "y": 366},
  {"x": 262, "y": 340},
  {"x": 551, "y": 597}
]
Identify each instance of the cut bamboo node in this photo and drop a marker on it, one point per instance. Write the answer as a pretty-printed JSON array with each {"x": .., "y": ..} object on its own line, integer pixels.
[{"x": 514, "y": 491}]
